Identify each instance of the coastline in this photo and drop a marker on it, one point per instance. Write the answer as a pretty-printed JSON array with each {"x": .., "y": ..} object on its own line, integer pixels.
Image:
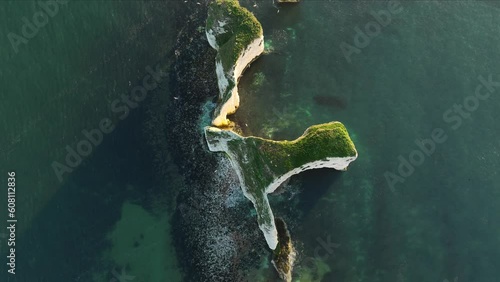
[
  {"x": 320, "y": 146},
  {"x": 203, "y": 216}
]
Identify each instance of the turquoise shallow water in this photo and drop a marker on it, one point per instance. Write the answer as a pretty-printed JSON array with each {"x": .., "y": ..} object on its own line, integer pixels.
[{"x": 440, "y": 224}]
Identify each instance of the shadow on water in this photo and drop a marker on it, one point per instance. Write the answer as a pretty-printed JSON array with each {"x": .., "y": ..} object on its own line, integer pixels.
[
  {"x": 315, "y": 184},
  {"x": 71, "y": 229}
]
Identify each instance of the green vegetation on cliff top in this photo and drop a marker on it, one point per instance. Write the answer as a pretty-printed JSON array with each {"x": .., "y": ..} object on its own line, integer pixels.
[
  {"x": 263, "y": 160},
  {"x": 283, "y": 252},
  {"x": 241, "y": 28}
]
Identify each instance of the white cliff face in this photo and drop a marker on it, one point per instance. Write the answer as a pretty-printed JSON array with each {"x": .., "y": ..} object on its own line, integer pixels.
[
  {"x": 336, "y": 163},
  {"x": 217, "y": 138},
  {"x": 211, "y": 39},
  {"x": 253, "y": 50},
  {"x": 221, "y": 78},
  {"x": 269, "y": 230},
  {"x": 219, "y": 144},
  {"x": 212, "y": 33}
]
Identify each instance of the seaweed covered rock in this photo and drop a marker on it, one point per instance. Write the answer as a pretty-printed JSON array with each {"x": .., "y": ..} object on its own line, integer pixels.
[
  {"x": 262, "y": 164},
  {"x": 238, "y": 38},
  {"x": 284, "y": 255}
]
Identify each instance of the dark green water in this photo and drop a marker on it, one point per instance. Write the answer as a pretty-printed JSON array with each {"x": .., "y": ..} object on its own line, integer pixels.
[{"x": 441, "y": 223}]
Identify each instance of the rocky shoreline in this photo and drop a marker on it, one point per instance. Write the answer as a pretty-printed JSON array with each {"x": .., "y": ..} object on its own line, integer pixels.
[
  {"x": 213, "y": 238},
  {"x": 239, "y": 40},
  {"x": 214, "y": 230}
]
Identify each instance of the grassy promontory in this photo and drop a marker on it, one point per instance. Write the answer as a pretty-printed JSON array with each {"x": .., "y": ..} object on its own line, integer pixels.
[{"x": 262, "y": 164}]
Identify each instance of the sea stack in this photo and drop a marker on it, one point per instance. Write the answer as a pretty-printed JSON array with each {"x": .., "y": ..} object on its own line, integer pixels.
[
  {"x": 238, "y": 37},
  {"x": 262, "y": 165}
]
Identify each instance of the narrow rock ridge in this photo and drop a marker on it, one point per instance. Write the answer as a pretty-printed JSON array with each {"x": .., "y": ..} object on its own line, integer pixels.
[{"x": 336, "y": 163}]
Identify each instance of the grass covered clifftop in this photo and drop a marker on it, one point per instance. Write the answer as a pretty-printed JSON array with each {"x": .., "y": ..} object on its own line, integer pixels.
[
  {"x": 265, "y": 159},
  {"x": 233, "y": 28},
  {"x": 317, "y": 143},
  {"x": 262, "y": 164}
]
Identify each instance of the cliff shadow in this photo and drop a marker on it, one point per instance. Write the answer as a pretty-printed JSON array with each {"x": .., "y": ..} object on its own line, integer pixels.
[{"x": 315, "y": 185}]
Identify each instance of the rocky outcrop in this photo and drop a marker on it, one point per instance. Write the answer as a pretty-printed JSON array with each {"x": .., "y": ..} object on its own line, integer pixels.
[
  {"x": 284, "y": 255},
  {"x": 237, "y": 36},
  {"x": 262, "y": 165}
]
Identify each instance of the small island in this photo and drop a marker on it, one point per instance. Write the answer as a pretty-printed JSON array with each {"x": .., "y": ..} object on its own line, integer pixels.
[{"x": 262, "y": 165}]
